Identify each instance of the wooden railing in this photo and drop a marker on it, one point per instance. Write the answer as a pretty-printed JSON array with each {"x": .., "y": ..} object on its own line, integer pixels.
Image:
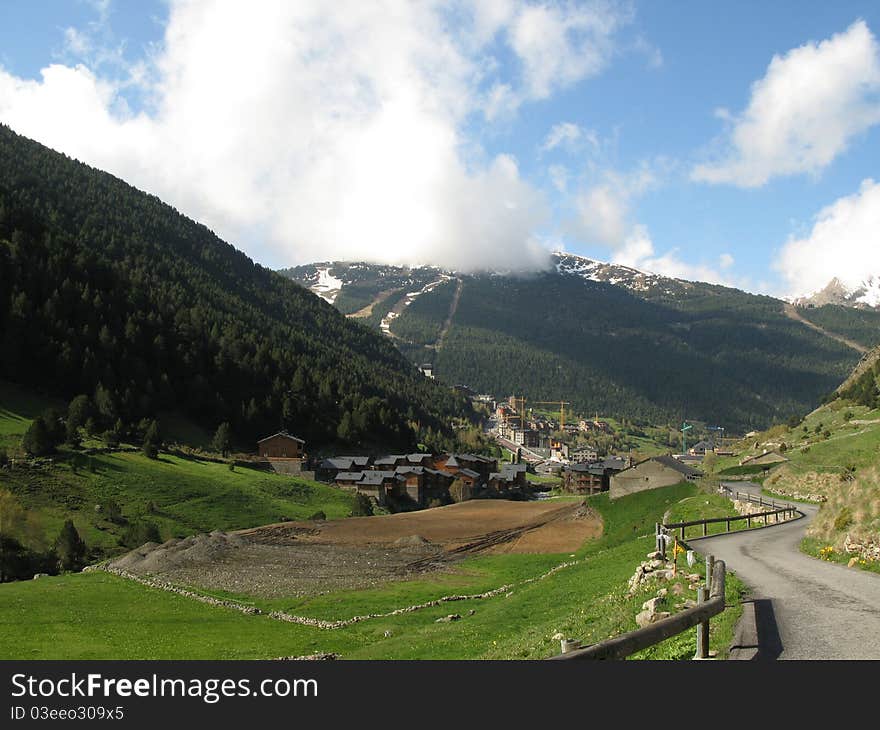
[{"x": 622, "y": 646}]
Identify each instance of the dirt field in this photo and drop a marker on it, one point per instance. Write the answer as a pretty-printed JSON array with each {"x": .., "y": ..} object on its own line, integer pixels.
[{"x": 305, "y": 558}]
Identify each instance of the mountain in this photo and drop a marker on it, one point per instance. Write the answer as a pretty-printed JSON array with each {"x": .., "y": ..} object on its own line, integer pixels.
[
  {"x": 107, "y": 291},
  {"x": 862, "y": 295},
  {"x": 609, "y": 338}
]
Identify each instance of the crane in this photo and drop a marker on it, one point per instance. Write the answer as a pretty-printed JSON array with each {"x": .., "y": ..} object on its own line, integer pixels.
[
  {"x": 560, "y": 403},
  {"x": 685, "y": 427}
]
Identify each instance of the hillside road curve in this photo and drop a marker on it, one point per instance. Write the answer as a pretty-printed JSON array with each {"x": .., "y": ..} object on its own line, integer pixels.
[{"x": 805, "y": 608}]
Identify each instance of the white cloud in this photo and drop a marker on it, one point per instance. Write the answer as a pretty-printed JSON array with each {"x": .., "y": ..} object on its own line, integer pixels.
[
  {"x": 308, "y": 130},
  {"x": 559, "y": 45},
  {"x": 725, "y": 261},
  {"x": 843, "y": 243},
  {"x": 570, "y": 135},
  {"x": 804, "y": 111}
]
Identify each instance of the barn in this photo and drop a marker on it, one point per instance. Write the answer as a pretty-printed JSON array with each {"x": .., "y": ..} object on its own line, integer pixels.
[{"x": 281, "y": 445}]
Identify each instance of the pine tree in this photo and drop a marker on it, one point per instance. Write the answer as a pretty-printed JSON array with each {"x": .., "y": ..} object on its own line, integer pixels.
[
  {"x": 222, "y": 440},
  {"x": 152, "y": 441},
  {"x": 70, "y": 548}
]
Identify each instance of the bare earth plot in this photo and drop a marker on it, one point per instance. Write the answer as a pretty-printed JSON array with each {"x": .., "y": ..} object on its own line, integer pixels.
[{"x": 307, "y": 558}]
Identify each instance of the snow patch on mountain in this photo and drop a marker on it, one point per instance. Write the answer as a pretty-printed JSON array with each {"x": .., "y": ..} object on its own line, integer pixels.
[{"x": 863, "y": 294}]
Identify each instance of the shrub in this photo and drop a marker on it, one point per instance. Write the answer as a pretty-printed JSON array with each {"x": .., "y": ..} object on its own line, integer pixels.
[
  {"x": 319, "y": 515},
  {"x": 37, "y": 440},
  {"x": 843, "y": 520},
  {"x": 139, "y": 533},
  {"x": 363, "y": 507}
]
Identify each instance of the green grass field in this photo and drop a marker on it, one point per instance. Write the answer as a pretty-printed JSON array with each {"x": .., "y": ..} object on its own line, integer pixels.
[
  {"x": 187, "y": 496},
  {"x": 94, "y": 615},
  {"x": 703, "y": 506}
]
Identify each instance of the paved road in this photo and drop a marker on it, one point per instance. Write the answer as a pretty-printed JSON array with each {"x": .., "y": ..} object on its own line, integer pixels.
[{"x": 806, "y": 608}]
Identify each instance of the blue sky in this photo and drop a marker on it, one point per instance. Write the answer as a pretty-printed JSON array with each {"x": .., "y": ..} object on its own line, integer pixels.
[{"x": 659, "y": 135}]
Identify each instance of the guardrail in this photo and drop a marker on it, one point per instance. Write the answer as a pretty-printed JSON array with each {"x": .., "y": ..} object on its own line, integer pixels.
[
  {"x": 707, "y": 607},
  {"x": 787, "y": 510}
]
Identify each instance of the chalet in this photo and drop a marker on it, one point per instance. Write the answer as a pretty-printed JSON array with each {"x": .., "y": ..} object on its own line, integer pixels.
[
  {"x": 427, "y": 369},
  {"x": 652, "y": 473},
  {"x": 512, "y": 477},
  {"x": 393, "y": 461},
  {"x": 281, "y": 445},
  {"x": 328, "y": 469},
  {"x": 585, "y": 478},
  {"x": 453, "y": 463},
  {"x": 701, "y": 447},
  {"x": 469, "y": 478},
  {"x": 379, "y": 484}
]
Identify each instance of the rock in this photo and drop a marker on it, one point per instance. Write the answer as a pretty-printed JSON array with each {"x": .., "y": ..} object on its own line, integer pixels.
[
  {"x": 644, "y": 618},
  {"x": 655, "y": 555},
  {"x": 657, "y": 564},
  {"x": 850, "y": 563},
  {"x": 662, "y": 593},
  {"x": 471, "y": 612},
  {"x": 448, "y": 619},
  {"x": 388, "y": 634},
  {"x": 558, "y": 636},
  {"x": 651, "y": 604},
  {"x": 689, "y": 603},
  {"x": 661, "y": 615},
  {"x": 677, "y": 589},
  {"x": 40, "y": 575}
]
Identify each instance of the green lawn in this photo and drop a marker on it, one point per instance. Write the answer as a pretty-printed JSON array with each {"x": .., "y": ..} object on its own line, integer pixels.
[
  {"x": 704, "y": 506},
  {"x": 187, "y": 495},
  {"x": 94, "y": 615}
]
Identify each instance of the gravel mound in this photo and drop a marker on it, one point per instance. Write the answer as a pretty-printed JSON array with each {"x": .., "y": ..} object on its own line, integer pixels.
[
  {"x": 176, "y": 553},
  {"x": 412, "y": 541}
]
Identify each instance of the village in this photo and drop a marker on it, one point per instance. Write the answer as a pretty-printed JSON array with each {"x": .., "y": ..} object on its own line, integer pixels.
[{"x": 535, "y": 443}]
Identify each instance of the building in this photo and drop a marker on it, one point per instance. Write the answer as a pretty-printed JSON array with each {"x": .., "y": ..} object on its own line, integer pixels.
[
  {"x": 427, "y": 369},
  {"x": 701, "y": 447},
  {"x": 511, "y": 478},
  {"x": 281, "y": 445},
  {"x": 585, "y": 478},
  {"x": 652, "y": 473},
  {"x": 584, "y": 455},
  {"x": 525, "y": 437},
  {"x": 328, "y": 469},
  {"x": 558, "y": 450}
]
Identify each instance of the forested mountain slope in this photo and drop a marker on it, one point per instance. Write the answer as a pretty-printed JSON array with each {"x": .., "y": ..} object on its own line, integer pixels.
[
  {"x": 619, "y": 341},
  {"x": 107, "y": 291}
]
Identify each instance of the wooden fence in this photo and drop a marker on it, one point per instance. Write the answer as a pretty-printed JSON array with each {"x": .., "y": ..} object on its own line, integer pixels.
[{"x": 708, "y": 606}]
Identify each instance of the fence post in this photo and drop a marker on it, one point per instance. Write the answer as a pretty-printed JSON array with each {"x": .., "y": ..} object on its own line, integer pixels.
[
  {"x": 728, "y": 525},
  {"x": 568, "y": 645},
  {"x": 705, "y": 529},
  {"x": 710, "y": 568},
  {"x": 702, "y": 629},
  {"x": 749, "y": 520}
]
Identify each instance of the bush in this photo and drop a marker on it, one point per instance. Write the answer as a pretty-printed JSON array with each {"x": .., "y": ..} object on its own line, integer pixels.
[
  {"x": 139, "y": 533},
  {"x": 319, "y": 515},
  {"x": 37, "y": 440},
  {"x": 363, "y": 507},
  {"x": 843, "y": 520}
]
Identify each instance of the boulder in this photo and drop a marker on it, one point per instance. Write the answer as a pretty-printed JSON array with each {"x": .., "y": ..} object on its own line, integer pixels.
[{"x": 448, "y": 619}]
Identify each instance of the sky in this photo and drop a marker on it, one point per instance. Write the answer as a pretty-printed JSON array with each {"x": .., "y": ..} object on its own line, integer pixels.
[{"x": 732, "y": 142}]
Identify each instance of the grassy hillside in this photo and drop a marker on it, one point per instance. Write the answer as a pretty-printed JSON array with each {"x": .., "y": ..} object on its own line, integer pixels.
[
  {"x": 108, "y": 292},
  {"x": 101, "y": 616},
  {"x": 181, "y": 496}
]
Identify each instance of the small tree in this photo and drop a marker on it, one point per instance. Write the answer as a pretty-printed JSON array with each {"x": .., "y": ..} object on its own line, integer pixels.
[
  {"x": 459, "y": 491},
  {"x": 363, "y": 507},
  {"x": 37, "y": 440},
  {"x": 152, "y": 441},
  {"x": 78, "y": 413},
  {"x": 70, "y": 548},
  {"x": 222, "y": 441}
]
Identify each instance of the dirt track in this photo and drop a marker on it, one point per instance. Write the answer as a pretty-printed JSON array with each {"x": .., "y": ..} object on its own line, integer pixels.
[{"x": 307, "y": 558}]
